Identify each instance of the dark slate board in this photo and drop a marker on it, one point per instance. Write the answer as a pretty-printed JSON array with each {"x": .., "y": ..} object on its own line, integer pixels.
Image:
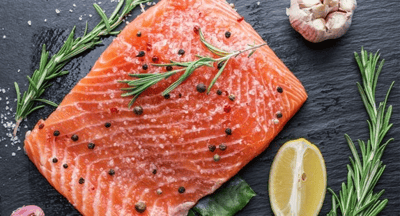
[{"x": 327, "y": 70}]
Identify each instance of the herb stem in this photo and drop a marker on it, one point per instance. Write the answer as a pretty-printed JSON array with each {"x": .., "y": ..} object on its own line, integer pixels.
[
  {"x": 357, "y": 196},
  {"x": 236, "y": 53},
  {"x": 51, "y": 68},
  {"x": 145, "y": 81}
]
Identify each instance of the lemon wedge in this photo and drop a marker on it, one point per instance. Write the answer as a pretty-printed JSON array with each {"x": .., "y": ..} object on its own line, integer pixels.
[{"x": 297, "y": 181}]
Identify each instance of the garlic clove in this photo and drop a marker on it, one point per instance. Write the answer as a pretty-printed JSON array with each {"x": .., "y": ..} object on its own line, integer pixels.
[
  {"x": 308, "y": 3},
  {"x": 332, "y": 4},
  {"x": 348, "y": 5},
  {"x": 337, "y": 24},
  {"x": 319, "y": 24},
  {"x": 319, "y": 11}
]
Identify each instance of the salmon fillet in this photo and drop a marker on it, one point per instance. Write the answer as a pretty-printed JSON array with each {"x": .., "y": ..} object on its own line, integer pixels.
[{"x": 107, "y": 160}]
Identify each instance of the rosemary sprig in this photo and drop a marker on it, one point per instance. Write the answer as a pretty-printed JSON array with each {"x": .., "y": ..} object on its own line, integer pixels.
[
  {"x": 52, "y": 68},
  {"x": 357, "y": 196},
  {"x": 144, "y": 81}
]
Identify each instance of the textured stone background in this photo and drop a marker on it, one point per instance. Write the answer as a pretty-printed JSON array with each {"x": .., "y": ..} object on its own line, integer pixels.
[{"x": 327, "y": 70}]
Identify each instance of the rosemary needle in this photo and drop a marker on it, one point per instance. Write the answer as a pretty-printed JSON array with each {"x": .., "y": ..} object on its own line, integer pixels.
[
  {"x": 357, "y": 196},
  {"x": 144, "y": 81},
  {"x": 52, "y": 68}
]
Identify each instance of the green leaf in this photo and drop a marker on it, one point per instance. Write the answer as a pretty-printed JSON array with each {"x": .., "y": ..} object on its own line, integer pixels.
[
  {"x": 191, "y": 213},
  {"x": 32, "y": 83},
  {"x": 216, "y": 76},
  {"x": 34, "y": 109},
  {"x": 103, "y": 16},
  {"x": 353, "y": 151},
  {"x": 86, "y": 29},
  {"x": 51, "y": 103},
  {"x": 18, "y": 92},
  {"x": 117, "y": 9},
  {"x": 227, "y": 200},
  {"x": 213, "y": 49}
]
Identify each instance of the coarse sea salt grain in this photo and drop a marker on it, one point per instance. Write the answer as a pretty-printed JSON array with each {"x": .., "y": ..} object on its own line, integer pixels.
[
  {"x": 4, "y": 37},
  {"x": 29, "y": 22},
  {"x": 58, "y": 11},
  {"x": 7, "y": 122}
]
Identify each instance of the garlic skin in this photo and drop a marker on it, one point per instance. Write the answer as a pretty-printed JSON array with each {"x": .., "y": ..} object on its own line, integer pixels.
[
  {"x": 319, "y": 20},
  {"x": 30, "y": 210}
]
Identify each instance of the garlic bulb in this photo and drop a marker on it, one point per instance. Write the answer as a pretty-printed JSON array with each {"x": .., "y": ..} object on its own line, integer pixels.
[
  {"x": 319, "y": 20},
  {"x": 30, "y": 210}
]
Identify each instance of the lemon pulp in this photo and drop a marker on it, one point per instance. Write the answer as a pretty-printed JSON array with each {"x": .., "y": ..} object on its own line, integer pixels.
[{"x": 297, "y": 182}]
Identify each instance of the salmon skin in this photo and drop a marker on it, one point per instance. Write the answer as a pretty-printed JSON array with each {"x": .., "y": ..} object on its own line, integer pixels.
[{"x": 107, "y": 160}]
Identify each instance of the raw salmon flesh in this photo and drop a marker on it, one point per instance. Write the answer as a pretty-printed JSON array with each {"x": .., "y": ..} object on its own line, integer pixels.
[{"x": 107, "y": 160}]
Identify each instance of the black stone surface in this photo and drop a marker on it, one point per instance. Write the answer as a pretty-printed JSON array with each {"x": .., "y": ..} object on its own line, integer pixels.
[{"x": 327, "y": 70}]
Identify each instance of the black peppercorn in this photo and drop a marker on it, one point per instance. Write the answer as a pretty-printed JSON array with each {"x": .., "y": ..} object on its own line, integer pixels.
[
  {"x": 138, "y": 110},
  {"x": 201, "y": 87},
  {"x": 55, "y": 160},
  {"x": 141, "y": 54},
  {"x": 180, "y": 95},
  {"x": 111, "y": 172},
  {"x": 167, "y": 96},
  {"x": 211, "y": 148},
  {"x": 154, "y": 171},
  {"x": 169, "y": 68},
  {"x": 219, "y": 66},
  {"x": 219, "y": 92},
  {"x": 107, "y": 124},
  {"x": 181, "y": 190},
  {"x": 139, "y": 34},
  {"x": 81, "y": 180},
  {"x": 227, "y": 34},
  {"x": 65, "y": 166},
  {"x": 56, "y": 133},
  {"x": 279, "y": 114},
  {"x": 74, "y": 137},
  {"x": 228, "y": 131},
  {"x": 91, "y": 146},
  {"x": 140, "y": 207},
  {"x": 181, "y": 52},
  {"x": 155, "y": 59},
  {"x": 41, "y": 126},
  {"x": 279, "y": 89},
  {"x": 145, "y": 67},
  {"x": 232, "y": 97},
  {"x": 222, "y": 147}
]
